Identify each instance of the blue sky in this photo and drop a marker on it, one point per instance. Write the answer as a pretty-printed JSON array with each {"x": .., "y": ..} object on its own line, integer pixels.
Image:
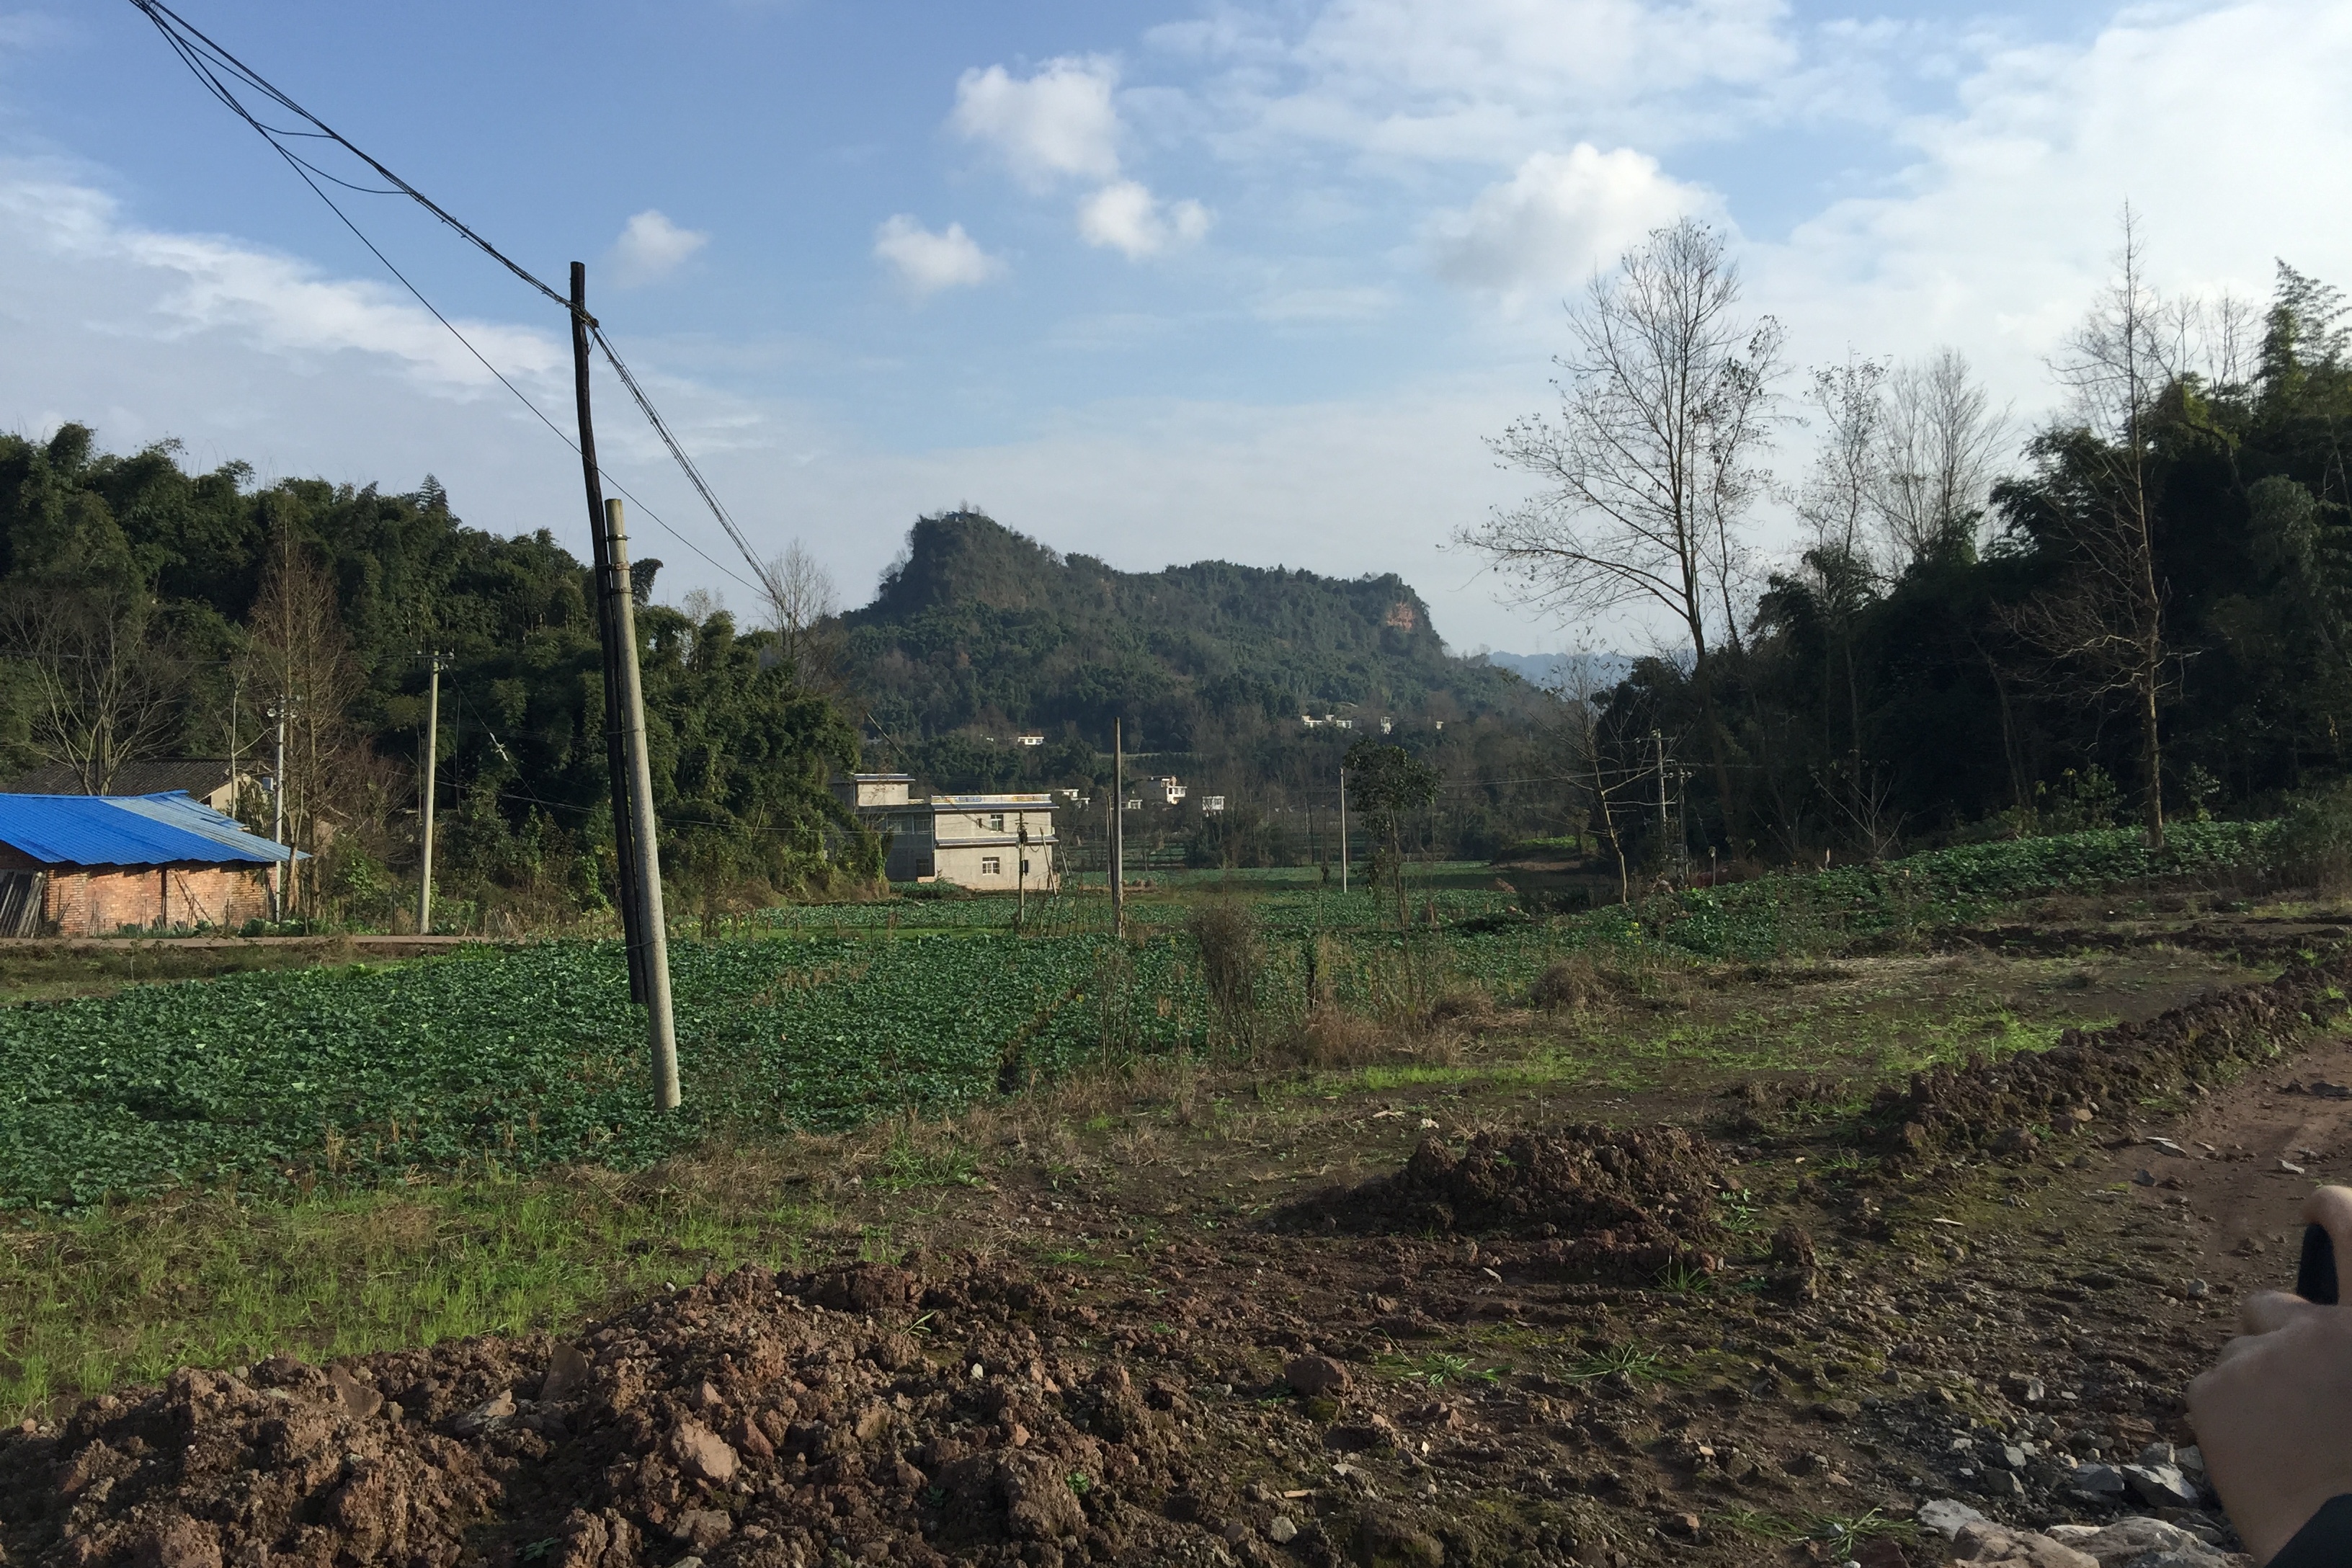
[{"x": 1155, "y": 282}]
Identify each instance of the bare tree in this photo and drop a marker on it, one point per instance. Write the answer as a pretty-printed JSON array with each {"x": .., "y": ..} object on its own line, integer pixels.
[
  {"x": 299, "y": 662},
  {"x": 801, "y": 599},
  {"x": 2104, "y": 626},
  {"x": 104, "y": 685},
  {"x": 1939, "y": 445},
  {"x": 1648, "y": 471},
  {"x": 1836, "y": 503}
]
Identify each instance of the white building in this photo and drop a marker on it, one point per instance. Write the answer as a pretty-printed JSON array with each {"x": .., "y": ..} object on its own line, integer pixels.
[
  {"x": 1171, "y": 789},
  {"x": 998, "y": 843}
]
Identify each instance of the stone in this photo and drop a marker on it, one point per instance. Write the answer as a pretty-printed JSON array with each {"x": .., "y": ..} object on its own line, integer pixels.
[
  {"x": 496, "y": 1411},
  {"x": 567, "y": 1371},
  {"x": 2156, "y": 1454},
  {"x": 1315, "y": 1374},
  {"x": 1946, "y": 1516},
  {"x": 2160, "y": 1485},
  {"x": 2137, "y": 1544},
  {"x": 358, "y": 1400},
  {"x": 2099, "y": 1480},
  {"x": 701, "y": 1528},
  {"x": 1985, "y": 1541},
  {"x": 1282, "y": 1530},
  {"x": 2013, "y": 1455},
  {"x": 2190, "y": 1459},
  {"x": 703, "y": 1452}
]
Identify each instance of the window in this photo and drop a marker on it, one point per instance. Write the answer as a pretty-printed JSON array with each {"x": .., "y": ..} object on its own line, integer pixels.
[
  {"x": 996, "y": 823},
  {"x": 991, "y": 866}
]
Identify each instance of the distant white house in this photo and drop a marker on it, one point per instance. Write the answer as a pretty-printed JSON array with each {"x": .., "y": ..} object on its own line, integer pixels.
[
  {"x": 1171, "y": 789},
  {"x": 1388, "y": 726},
  {"x": 1028, "y": 739},
  {"x": 999, "y": 842},
  {"x": 1212, "y": 806}
]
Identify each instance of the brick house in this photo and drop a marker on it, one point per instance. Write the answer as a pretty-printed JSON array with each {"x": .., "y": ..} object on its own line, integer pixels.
[{"x": 80, "y": 865}]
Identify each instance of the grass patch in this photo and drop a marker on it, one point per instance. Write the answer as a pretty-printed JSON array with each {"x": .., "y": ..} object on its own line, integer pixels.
[{"x": 127, "y": 1295}]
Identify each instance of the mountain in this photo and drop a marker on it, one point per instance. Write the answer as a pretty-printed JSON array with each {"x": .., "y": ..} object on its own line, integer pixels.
[
  {"x": 979, "y": 626},
  {"x": 1567, "y": 672}
]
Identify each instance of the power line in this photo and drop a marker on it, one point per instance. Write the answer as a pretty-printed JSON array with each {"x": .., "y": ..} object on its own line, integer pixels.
[{"x": 208, "y": 62}]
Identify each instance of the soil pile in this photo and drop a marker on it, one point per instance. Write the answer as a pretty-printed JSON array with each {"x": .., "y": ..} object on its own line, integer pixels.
[
  {"x": 765, "y": 1421},
  {"x": 1605, "y": 1203},
  {"x": 1999, "y": 1105}
]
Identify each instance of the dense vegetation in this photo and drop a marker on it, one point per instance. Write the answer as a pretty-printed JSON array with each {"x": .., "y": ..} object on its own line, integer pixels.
[
  {"x": 153, "y": 611},
  {"x": 1871, "y": 701}
]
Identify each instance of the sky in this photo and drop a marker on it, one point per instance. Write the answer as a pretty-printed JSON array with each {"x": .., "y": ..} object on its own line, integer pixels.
[{"x": 1253, "y": 279}]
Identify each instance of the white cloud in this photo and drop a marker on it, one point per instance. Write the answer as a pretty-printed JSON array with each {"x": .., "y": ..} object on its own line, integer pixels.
[
  {"x": 927, "y": 262},
  {"x": 1492, "y": 80},
  {"x": 1127, "y": 217},
  {"x": 1060, "y": 121},
  {"x": 1999, "y": 233},
  {"x": 1563, "y": 214},
  {"x": 200, "y": 284},
  {"x": 651, "y": 248}
]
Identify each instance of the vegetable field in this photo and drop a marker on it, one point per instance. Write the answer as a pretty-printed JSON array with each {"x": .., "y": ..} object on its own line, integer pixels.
[{"x": 521, "y": 1058}]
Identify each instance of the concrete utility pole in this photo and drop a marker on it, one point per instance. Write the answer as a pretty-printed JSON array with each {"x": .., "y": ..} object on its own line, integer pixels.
[
  {"x": 1343, "y": 829},
  {"x": 1020, "y": 867},
  {"x": 280, "y": 885},
  {"x": 1117, "y": 830},
  {"x": 432, "y": 767},
  {"x": 1658, "y": 740},
  {"x": 616, "y": 762},
  {"x": 652, "y": 927}
]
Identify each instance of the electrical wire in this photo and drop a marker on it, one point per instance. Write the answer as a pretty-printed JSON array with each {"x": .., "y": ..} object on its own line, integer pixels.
[{"x": 208, "y": 62}]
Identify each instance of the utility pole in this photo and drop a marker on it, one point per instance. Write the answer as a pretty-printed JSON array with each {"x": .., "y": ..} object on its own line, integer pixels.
[
  {"x": 652, "y": 927},
  {"x": 1021, "y": 869},
  {"x": 1343, "y": 827},
  {"x": 631, "y": 771},
  {"x": 616, "y": 762},
  {"x": 432, "y": 767},
  {"x": 1658, "y": 740},
  {"x": 280, "y": 885},
  {"x": 1117, "y": 830}
]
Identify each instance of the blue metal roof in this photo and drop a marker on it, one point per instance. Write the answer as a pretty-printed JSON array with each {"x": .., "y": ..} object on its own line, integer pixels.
[{"x": 129, "y": 830}]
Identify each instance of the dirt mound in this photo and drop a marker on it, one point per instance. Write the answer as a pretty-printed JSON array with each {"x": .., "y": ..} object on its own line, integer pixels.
[
  {"x": 766, "y": 1421},
  {"x": 2011, "y": 1105},
  {"x": 1607, "y": 1203}
]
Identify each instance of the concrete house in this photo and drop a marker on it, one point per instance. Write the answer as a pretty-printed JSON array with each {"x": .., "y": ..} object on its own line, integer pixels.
[
  {"x": 85, "y": 864},
  {"x": 996, "y": 843}
]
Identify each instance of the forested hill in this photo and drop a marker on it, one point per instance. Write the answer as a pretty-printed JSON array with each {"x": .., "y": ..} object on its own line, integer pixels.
[{"x": 979, "y": 625}]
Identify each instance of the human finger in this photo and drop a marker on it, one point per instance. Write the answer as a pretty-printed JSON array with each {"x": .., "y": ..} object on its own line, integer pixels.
[{"x": 2267, "y": 1312}]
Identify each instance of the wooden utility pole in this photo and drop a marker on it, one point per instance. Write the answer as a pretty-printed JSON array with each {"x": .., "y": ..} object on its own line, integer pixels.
[
  {"x": 1117, "y": 830},
  {"x": 616, "y": 764},
  {"x": 432, "y": 767},
  {"x": 652, "y": 926},
  {"x": 1343, "y": 829}
]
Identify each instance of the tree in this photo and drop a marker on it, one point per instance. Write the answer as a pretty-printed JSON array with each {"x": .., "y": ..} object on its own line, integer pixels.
[
  {"x": 102, "y": 685},
  {"x": 1387, "y": 784},
  {"x": 300, "y": 663},
  {"x": 1839, "y": 574},
  {"x": 1938, "y": 446},
  {"x": 801, "y": 600},
  {"x": 2103, "y": 628},
  {"x": 1649, "y": 469}
]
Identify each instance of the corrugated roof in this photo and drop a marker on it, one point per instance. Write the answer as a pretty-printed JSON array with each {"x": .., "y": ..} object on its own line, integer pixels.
[{"x": 129, "y": 830}]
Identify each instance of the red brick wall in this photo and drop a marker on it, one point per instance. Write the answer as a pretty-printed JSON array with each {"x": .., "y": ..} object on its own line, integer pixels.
[{"x": 101, "y": 903}]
